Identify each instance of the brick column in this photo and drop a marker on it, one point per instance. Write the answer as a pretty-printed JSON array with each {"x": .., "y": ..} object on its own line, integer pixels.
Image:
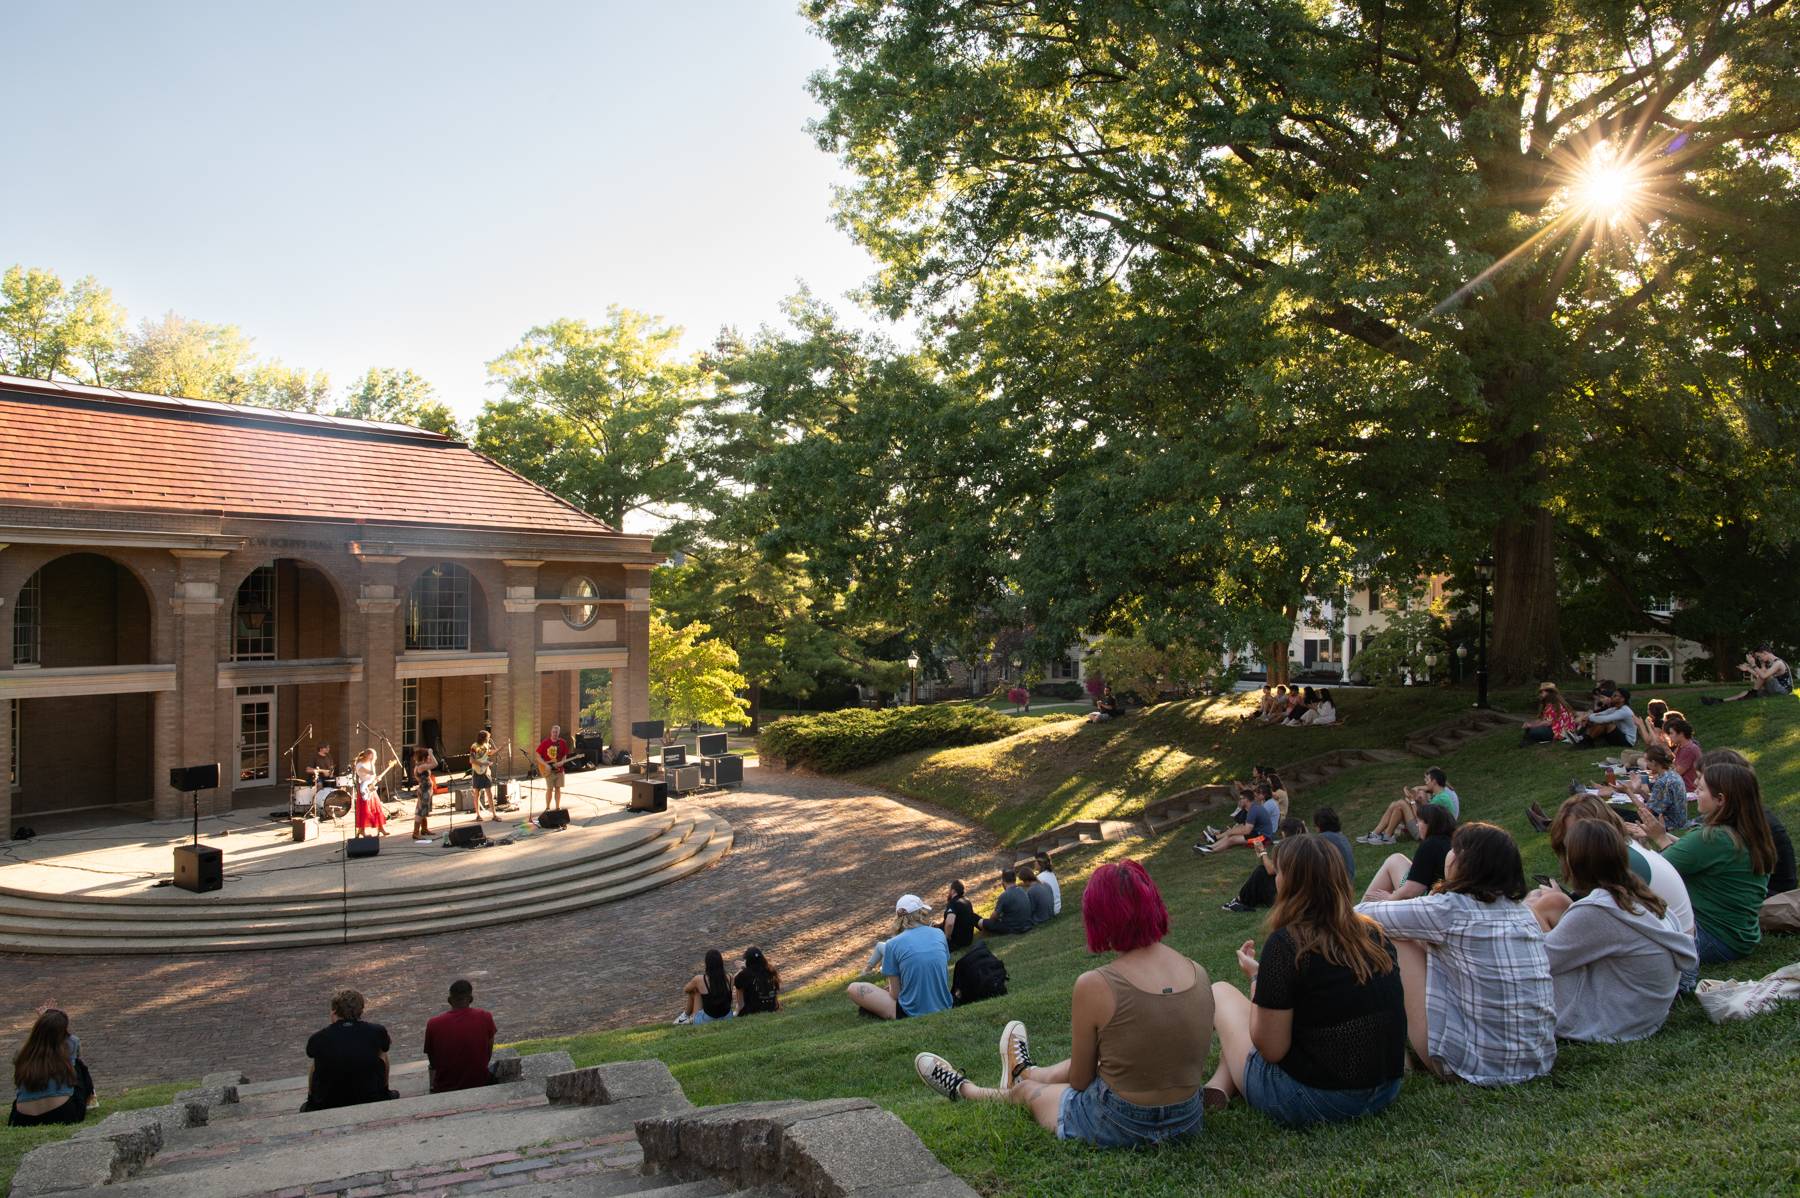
[
  {"x": 631, "y": 685},
  {"x": 193, "y": 722},
  {"x": 10, "y": 582},
  {"x": 518, "y": 636},
  {"x": 377, "y": 633}
]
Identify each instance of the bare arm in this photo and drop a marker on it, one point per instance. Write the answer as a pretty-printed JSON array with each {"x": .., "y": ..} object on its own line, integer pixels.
[{"x": 1093, "y": 1007}]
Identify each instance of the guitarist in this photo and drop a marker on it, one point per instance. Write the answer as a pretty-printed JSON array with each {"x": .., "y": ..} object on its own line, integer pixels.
[{"x": 552, "y": 758}]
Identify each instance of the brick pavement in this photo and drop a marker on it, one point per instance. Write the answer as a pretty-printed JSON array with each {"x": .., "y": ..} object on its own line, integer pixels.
[{"x": 815, "y": 870}]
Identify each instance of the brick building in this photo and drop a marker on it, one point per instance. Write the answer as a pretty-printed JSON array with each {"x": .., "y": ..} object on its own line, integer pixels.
[{"x": 185, "y": 582}]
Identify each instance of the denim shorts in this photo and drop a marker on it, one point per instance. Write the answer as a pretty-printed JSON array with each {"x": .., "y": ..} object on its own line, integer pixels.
[
  {"x": 1269, "y": 1089},
  {"x": 1712, "y": 950},
  {"x": 703, "y": 1017},
  {"x": 1105, "y": 1120}
]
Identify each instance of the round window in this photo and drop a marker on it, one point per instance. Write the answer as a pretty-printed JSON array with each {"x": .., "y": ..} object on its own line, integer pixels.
[{"x": 580, "y": 615}]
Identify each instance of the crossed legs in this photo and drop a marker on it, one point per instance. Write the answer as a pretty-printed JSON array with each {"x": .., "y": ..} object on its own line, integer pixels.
[{"x": 1389, "y": 878}]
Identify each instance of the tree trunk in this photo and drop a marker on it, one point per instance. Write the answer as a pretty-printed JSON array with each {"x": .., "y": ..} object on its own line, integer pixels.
[
  {"x": 1525, "y": 642},
  {"x": 755, "y": 706},
  {"x": 1275, "y": 662}
]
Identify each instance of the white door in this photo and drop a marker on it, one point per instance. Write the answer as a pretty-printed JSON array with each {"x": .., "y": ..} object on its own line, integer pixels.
[{"x": 256, "y": 736}]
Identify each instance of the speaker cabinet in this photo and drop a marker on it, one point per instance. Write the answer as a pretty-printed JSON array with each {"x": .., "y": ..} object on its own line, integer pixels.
[
  {"x": 187, "y": 778},
  {"x": 363, "y": 846},
  {"x": 552, "y": 820},
  {"x": 647, "y": 729},
  {"x": 649, "y": 794},
  {"x": 466, "y": 836},
  {"x": 304, "y": 829},
  {"x": 199, "y": 867}
]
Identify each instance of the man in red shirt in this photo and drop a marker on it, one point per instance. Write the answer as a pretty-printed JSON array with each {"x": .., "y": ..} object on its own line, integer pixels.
[
  {"x": 1686, "y": 748},
  {"x": 553, "y": 757},
  {"x": 459, "y": 1042}
]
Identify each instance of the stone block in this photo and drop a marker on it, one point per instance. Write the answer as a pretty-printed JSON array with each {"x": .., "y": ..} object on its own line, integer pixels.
[
  {"x": 544, "y": 1064},
  {"x": 136, "y": 1135},
  {"x": 209, "y": 1096},
  {"x": 618, "y": 1081},
  {"x": 67, "y": 1167},
  {"x": 504, "y": 1065},
  {"x": 224, "y": 1078}
]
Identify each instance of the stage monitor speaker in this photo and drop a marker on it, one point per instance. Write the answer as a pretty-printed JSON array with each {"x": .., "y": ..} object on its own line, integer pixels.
[
  {"x": 466, "y": 836},
  {"x": 647, "y": 729},
  {"x": 554, "y": 819},
  {"x": 363, "y": 846},
  {"x": 649, "y": 794},
  {"x": 199, "y": 867},
  {"x": 723, "y": 771},
  {"x": 304, "y": 829},
  {"x": 186, "y": 778}
]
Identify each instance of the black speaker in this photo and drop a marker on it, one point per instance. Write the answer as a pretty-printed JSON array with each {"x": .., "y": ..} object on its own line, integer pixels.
[
  {"x": 648, "y": 729},
  {"x": 195, "y": 777},
  {"x": 722, "y": 771},
  {"x": 553, "y": 819},
  {"x": 199, "y": 867},
  {"x": 649, "y": 794},
  {"x": 466, "y": 836},
  {"x": 363, "y": 846}
]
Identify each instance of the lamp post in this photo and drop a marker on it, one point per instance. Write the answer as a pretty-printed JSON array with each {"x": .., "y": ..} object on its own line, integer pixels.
[
  {"x": 1430, "y": 666},
  {"x": 1484, "y": 570},
  {"x": 1462, "y": 663},
  {"x": 912, "y": 679}
]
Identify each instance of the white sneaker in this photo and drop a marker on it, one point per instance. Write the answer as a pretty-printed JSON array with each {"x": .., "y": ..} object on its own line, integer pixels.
[
  {"x": 940, "y": 1075},
  {"x": 1015, "y": 1054},
  {"x": 682, "y": 1018}
]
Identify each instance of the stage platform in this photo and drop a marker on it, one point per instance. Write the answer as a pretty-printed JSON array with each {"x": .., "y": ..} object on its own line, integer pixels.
[{"x": 106, "y": 889}]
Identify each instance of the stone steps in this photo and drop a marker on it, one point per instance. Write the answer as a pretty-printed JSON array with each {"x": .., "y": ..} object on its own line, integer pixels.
[{"x": 113, "y": 926}]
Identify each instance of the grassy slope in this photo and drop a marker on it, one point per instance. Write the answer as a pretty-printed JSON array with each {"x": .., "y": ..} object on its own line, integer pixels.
[
  {"x": 1695, "y": 1109},
  {"x": 1031, "y": 783},
  {"x": 15, "y": 1142}
]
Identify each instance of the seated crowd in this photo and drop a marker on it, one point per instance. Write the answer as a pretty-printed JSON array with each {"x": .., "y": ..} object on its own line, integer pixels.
[
  {"x": 710, "y": 994},
  {"x": 1295, "y": 706}
]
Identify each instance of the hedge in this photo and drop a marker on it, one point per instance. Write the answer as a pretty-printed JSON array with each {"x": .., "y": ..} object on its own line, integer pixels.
[{"x": 835, "y": 741}]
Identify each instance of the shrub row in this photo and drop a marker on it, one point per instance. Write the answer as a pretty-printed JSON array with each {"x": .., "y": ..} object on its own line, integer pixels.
[{"x": 835, "y": 741}]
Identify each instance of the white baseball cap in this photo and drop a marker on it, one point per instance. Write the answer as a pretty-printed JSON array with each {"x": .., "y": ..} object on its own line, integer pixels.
[{"x": 908, "y": 904}]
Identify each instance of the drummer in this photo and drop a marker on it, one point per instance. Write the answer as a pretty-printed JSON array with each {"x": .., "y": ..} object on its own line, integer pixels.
[{"x": 323, "y": 769}]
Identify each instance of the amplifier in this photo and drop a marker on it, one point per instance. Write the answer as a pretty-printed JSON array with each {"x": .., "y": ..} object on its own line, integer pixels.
[
  {"x": 304, "y": 829},
  {"x": 649, "y": 794},
  {"x": 465, "y": 801}
]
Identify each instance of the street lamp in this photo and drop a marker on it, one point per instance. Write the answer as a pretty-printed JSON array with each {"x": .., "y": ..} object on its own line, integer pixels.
[
  {"x": 1430, "y": 665},
  {"x": 1462, "y": 663},
  {"x": 912, "y": 678},
  {"x": 1484, "y": 570}
]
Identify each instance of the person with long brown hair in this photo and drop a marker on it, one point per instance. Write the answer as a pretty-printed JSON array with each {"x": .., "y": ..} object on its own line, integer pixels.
[
  {"x": 51, "y": 1084},
  {"x": 1479, "y": 1001},
  {"x": 1726, "y": 862},
  {"x": 1322, "y": 1036},
  {"x": 1556, "y": 719},
  {"x": 1617, "y": 954}
]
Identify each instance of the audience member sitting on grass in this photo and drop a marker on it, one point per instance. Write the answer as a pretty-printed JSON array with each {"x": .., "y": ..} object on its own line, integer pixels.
[
  {"x": 459, "y": 1043},
  {"x": 1402, "y": 815},
  {"x": 1402, "y": 878},
  {"x": 1783, "y": 878},
  {"x": 1328, "y": 825},
  {"x": 1616, "y": 954},
  {"x": 1556, "y": 719},
  {"x": 1258, "y": 817},
  {"x": 1265, "y": 705},
  {"x": 1324, "y": 712},
  {"x": 1258, "y": 889},
  {"x": 1661, "y": 877},
  {"x": 349, "y": 1058},
  {"x": 1141, "y": 1028},
  {"x": 1043, "y": 901},
  {"x": 916, "y": 963},
  {"x": 1012, "y": 910},
  {"x": 1768, "y": 676},
  {"x": 1651, "y": 730},
  {"x": 51, "y": 1083},
  {"x": 1611, "y": 722},
  {"x": 1686, "y": 748},
  {"x": 757, "y": 984},
  {"x": 1726, "y": 862},
  {"x": 1667, "y": 794},
  {"x": 708, "y": 993},
  {"x": 1046, "y": 874},
  {"x": 1322, "y": 1036},
  {"x": 1277, "y": 710},
  {"x": 1298, "y": 712},
  {"x": 1106, "y": 707},
  {"x": 958, "y": 924},
  {"x": 1480, "y": 1004}
]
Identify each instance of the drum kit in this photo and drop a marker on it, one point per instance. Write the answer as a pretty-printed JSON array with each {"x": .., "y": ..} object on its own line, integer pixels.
[{"x": 322, "y": 799}]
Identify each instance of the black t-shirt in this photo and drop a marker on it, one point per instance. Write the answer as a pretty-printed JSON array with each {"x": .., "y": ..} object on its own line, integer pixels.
[
  {"x": 347, "y": 1066},
  {"x": 1346, "y": 1036},
  {"x": 759, "y": 990},
  {"x": 715, "y": 1006},
  {"x": 963, "y": 934},
  {"x": 1783, "y": 879},
  {"x": 1428, "y": 863}
]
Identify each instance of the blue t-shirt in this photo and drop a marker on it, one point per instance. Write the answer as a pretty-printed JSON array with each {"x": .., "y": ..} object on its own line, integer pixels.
[
  {"x": 1264, "y": 818},
  {"x": 920, "y": 958},
  {"x": 54, "y": 1088},
  {"x": 1343, "y": 847}
]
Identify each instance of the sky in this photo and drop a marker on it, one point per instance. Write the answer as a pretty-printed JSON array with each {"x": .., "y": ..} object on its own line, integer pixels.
[{"x": 417, "y": 184}]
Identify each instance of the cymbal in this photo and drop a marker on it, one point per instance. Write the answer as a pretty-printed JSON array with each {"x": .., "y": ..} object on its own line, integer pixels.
[{"x": 299, "y": 781}]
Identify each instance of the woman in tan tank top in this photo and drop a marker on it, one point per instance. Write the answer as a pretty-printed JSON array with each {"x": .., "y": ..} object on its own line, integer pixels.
[{"x": 1142, "y": 1026}]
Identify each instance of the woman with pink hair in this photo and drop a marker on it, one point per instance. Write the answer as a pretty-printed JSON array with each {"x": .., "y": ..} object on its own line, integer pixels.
[{"x": 1142, "y": 1026}]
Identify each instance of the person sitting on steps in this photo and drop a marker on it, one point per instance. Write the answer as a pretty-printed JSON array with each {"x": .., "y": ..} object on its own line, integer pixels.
[
  {"x": 349, "y": 1058},
  {"x": 459, "y": 1043},
  {"x": 1402, "y": 815},
  {"x": 51, "y": 1083},
  {"x": 916, "y": 962},
  {"x": 707, "y": 994},
  {"x": 1141, "y": 1029}
]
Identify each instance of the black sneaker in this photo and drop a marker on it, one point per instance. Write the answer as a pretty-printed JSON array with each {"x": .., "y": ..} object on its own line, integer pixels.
[
  {"x": 1236, "y": 906},
  {"x": 940, "y": 1075}
]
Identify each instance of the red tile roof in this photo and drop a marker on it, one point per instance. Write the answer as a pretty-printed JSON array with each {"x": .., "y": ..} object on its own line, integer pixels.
[{"x": 69, "y": 446}]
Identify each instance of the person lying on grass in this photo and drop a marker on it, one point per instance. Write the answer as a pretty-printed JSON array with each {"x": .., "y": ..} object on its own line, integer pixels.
[
  {"x": 916, "y": 962},
  {"x": 1257, "y": 816},
  {"x": 1480, "y": 1004},
  {"x": 1322, "y": 1036},
  {"x": 1616, "y": 954},
  {"x": 1402, "y": 815},
  {"x": 1141, "y": 1028},
  {"x": 1401, "y": 877}
]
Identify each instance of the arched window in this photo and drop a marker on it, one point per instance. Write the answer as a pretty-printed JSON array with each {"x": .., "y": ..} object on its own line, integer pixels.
[
  {"x": 253, "y": 617},
  {"x": 1651, "y": 665},
  {"x": 580, "y": 615},
  {"x": 437, "y": 610}
]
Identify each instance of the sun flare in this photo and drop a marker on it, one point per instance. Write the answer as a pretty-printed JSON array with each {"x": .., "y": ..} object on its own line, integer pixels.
[{"x": 1606, "y": 188}]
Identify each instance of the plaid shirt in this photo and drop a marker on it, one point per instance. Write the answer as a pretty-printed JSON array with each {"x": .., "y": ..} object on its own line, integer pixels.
[
  {"x": 1668, "y": 798},
  {"x": 1489, "y": 1000}
]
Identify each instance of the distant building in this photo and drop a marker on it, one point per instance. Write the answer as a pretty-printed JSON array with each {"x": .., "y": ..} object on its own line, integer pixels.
[{"x": 184, "y": 582}]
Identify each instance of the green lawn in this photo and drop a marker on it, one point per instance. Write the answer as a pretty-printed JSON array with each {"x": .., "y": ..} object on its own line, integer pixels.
[
  {"x": 1046, "y": 777},
  {"x": 1696, "y": 1109},
  {"x": 15, "y": 1142}
]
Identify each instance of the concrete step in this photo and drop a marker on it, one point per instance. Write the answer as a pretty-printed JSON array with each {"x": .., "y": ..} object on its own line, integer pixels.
[{"x": 202, "y": 930}]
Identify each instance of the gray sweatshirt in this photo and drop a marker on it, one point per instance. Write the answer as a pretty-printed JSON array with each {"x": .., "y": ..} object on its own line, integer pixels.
[{"x": 1615, "y": 972}]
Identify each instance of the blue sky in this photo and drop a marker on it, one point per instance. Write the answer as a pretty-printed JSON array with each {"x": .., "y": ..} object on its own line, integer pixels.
[{"x": 416, "y": 184}]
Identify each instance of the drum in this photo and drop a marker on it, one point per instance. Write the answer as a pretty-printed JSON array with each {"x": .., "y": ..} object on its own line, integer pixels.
[
  {"x": 303, "y": 799},
  {"x": 336, "y": 801}
]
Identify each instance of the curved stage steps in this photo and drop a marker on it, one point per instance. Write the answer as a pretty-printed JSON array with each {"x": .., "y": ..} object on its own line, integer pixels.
[{"x": 407, "y": 891}]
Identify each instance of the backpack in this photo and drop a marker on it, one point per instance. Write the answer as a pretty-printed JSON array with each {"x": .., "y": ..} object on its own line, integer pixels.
[{"x": 978, "y": 975}]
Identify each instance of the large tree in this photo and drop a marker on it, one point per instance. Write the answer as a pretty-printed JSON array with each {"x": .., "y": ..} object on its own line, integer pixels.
[
  {"x": 49, "y": 329},
  {"x": 1444, "y": 233},
  {"x": 398, "y": 396}
]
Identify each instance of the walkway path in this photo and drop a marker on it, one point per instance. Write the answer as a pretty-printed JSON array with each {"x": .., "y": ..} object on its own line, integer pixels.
[{"x": 815, "y": 870}]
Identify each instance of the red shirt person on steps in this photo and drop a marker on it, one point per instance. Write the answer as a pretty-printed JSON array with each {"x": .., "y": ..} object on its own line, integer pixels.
[{"x": 459, "y": 1042}]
